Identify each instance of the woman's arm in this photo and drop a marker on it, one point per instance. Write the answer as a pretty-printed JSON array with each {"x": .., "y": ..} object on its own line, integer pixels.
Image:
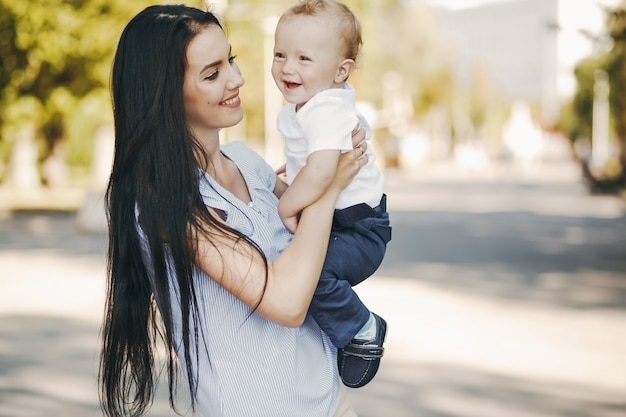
[{"x": 291, "y": 279}]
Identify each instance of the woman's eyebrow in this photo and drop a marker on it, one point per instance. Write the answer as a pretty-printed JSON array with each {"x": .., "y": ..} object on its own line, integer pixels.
[
  {"x": 211, "y": 65},
  {"x": 216, "y": 63}
]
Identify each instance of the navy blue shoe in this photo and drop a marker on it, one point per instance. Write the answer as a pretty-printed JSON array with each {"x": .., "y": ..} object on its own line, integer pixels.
[{"x": 358, "y": 361}]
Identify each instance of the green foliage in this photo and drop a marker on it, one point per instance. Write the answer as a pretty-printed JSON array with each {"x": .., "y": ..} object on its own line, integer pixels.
[
  {"x": 245, "y": 21},
  {"x": 55, "y": 72},
  {"x": 576, "y": 116},
  {"x": 57, "y": 54},
  {"x": 402, "y": 36},
  {"x": 616, "y": 68}
]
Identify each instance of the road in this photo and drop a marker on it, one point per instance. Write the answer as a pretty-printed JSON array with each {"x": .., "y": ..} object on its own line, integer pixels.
[{"x": 504, "y": 290}]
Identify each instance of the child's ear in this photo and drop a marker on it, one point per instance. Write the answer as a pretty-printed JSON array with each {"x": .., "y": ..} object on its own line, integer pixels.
[{"x": 343, "y": 71}]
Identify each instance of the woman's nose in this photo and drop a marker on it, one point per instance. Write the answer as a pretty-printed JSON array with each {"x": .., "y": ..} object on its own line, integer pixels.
[{"x": 237, "y": 79}]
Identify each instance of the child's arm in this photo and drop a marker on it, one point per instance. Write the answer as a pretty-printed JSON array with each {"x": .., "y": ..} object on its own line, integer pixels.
[
  {"x": 310, "y": 183},
  {"x": 281, "y": 186}
]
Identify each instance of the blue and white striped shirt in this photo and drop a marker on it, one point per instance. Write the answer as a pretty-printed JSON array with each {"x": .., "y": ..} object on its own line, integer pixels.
[{"x": 250, "y": 366}]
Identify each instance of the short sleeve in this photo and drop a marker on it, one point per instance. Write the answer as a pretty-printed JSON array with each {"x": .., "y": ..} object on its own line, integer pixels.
[{"x": 327, "y": 122}]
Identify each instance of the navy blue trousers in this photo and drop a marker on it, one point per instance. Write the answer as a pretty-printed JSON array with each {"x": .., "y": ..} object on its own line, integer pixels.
[{"x": 357, "y": 245}]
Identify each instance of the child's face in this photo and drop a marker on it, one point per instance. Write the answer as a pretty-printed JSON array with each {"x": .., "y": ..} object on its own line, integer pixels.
[{"x": 306, "y": 58}]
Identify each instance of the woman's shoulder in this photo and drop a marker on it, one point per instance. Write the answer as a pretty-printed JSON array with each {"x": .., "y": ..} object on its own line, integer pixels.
[
  {"x": 239, "y": 149},
  {"x": 237, "y": 146},
  {"x": 250, "y": 163}
]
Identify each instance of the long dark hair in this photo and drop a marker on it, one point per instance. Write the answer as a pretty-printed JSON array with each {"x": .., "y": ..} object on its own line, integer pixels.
[{"x": 155, "y": 173}]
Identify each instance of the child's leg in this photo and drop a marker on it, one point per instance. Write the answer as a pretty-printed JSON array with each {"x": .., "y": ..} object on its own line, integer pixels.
[
  {"x": 361, "y": 241},
  {"x": 355, "y": 250},
  {"x": 337, "y": 309},
  {"x": 360, "y": 250}
]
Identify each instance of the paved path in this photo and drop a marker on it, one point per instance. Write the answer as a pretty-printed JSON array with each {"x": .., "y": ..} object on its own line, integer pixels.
[{"x": 505, "y": 292}]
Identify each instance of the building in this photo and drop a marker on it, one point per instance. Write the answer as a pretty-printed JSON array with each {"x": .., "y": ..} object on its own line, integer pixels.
[{"x": 528, "y": 47}]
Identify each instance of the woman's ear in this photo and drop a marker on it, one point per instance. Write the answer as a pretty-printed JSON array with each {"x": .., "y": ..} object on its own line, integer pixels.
[{"x": 343, "y": 71}]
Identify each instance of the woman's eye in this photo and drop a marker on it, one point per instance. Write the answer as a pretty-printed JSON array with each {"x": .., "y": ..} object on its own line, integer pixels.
[{"x": 213, "y": 76}]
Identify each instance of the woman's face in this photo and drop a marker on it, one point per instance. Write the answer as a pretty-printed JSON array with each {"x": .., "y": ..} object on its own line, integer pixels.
[{"x": 211, "y": 83}]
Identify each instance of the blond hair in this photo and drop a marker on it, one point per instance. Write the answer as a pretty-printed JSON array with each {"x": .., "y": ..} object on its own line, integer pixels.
[{"x": 348, "y": 26}]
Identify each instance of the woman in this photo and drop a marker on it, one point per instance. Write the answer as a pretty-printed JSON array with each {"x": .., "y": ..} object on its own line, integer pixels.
[{"x": 195, "y": 242}]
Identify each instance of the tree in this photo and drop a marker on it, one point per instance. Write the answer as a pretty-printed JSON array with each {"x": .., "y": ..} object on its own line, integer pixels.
[
  {"x": 576, "y": 117},
  {"x": 616, "y": 68},
  {"x": 56, "y": 60},
  {"x": 57, "y": 55}
]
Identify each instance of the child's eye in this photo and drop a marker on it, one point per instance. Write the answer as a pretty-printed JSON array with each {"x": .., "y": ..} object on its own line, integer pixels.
[
  {"x": 278, "y": 55},
  {"x": 305, "y": 58}
]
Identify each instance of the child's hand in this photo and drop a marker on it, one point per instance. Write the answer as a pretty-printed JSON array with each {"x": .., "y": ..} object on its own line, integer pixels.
[
  {"x": 291, "y": 223},
  {"x": 282, "y": 169}
]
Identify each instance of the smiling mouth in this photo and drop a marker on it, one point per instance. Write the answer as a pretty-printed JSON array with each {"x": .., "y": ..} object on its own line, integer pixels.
[
  {"x": 291, "y": 86},
  {"x": 231, "y": 101}
]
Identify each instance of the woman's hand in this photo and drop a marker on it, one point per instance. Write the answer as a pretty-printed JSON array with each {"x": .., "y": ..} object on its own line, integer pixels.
[
  {"x": 358, "y": 136},
  {"x": 349, "y": 164}
]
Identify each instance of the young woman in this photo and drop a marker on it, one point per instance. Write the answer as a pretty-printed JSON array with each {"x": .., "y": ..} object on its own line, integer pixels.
[{"x": 196, "y": 244}]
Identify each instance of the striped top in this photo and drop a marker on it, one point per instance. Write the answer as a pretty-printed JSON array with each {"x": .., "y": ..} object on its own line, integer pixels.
[{"x": 250, "y": 366}]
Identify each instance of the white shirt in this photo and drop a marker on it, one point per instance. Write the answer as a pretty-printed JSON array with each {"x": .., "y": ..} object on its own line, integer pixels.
[
  {"x": 326, "y": 122},
  {"x": 250, "y": 366}
]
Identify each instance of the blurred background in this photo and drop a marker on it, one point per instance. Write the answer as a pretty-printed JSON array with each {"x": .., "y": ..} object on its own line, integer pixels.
[
  {"x": 439, "y": 79},
  {"x": 501, "y": 128}
]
